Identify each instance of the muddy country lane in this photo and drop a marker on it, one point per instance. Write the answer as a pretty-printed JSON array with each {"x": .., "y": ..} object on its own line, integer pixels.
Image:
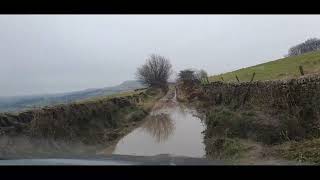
[{"x": 171, "y": 128}]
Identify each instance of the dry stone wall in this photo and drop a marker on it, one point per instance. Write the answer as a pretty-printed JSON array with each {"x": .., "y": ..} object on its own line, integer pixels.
[
  {"x": 283, "y": 109},
  {"x": 282, "y": 94},
  {"x": 62, "y": 120}
]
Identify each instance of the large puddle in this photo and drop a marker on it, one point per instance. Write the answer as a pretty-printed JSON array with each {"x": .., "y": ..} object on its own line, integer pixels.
[{"x": 169, "y": 129}]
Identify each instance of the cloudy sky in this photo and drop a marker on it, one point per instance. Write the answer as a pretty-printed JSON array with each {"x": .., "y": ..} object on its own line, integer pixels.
[{"x": 60, "y": 53}]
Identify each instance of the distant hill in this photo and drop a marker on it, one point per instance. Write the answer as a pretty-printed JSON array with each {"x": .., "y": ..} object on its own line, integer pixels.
[
  {"x": 279, "y": 69},
  {"x": 18, "y": 103}
]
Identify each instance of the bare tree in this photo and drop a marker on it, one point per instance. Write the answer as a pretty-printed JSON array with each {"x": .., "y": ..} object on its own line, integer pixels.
[
  {"x": 155, "y": 72},
  {"x": 189, "y": 77},
  {"x": 202, "y": 76},
  {"x": 309, "y": 45},
  {"x": 186, "y": 75}
]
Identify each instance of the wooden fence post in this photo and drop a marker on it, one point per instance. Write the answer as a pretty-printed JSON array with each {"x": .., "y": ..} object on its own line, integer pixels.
[
  {"x": 237, "y": 78},
  {"x": 246, "y": 96},
  {"x": 301, "y": 70},
  {"x": 254, "y": 73}
]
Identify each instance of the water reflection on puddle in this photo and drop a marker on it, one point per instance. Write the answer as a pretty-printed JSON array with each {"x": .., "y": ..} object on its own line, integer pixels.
[
  {"x": 159, "y": 126},
  {"x": 170, "y": 129}
]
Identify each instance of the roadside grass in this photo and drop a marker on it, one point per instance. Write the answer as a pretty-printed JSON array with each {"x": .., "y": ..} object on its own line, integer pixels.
[
  {"x": 246, "y": 124},
  {"x": 287, "y": 136},
  {"x": 301, "y": 151},
  {"x": 230, "y": 149},
  {"x": 278, "y": 69},
  {"x": 122, "y": 94},
  {"x": 153, "y": 95}
]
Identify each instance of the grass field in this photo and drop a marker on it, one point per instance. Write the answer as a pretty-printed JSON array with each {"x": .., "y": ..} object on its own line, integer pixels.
[
  {"x": 279, "y": 69},
  {"x": 123, "y": 94}
]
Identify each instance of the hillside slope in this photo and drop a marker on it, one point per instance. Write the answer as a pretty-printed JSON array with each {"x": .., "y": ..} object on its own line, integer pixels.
[
  {"x": 279, "y": 69},
  {"x": 18, "y": 103}
]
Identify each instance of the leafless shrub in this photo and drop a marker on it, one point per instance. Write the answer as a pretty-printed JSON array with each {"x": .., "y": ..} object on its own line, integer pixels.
[
  {"x": 312, "y": 44},
  {"x": 202, "y": 76},
  {"x": 155, "y": 72},
  {"x": 190, "y": 76}
]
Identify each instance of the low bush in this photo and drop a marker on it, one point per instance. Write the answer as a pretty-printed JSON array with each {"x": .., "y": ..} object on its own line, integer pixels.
[
  {"x": 303, "y": 151},
  {"x": 224, "y": 148}
]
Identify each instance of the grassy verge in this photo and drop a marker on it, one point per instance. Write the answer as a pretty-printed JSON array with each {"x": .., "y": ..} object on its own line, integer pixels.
[
  {"x": 123, "y": 94},
  {"x": 279, "y": 69},
  {"x": 230, "y": 149},
  {"x": 301, "y": 151},
  {"x": 295, "y": 130}
]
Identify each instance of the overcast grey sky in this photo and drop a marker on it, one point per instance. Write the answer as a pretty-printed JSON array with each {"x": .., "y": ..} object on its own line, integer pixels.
[{"x": 60, "y": 53}]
